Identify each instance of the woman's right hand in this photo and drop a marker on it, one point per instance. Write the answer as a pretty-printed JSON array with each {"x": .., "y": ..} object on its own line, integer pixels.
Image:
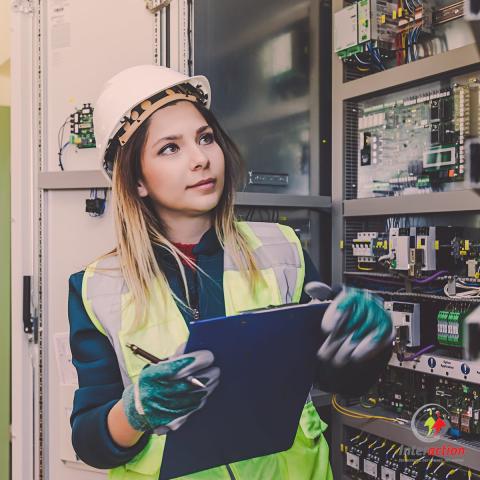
[{"x": 163, "y": 398}]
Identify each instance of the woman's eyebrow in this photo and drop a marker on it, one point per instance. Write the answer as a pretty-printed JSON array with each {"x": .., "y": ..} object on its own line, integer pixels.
[
  {"x": 202, "y": 129},
  {"x": 178, "y": 137},
  {"x": 170, "y": 137}
]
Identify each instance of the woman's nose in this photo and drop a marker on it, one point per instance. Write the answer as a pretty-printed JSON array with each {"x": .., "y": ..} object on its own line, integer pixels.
[{"x": 198, "y": 158}]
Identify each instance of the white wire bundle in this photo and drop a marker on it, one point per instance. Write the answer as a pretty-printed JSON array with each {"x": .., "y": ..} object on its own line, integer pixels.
[{"x": 469, "y": 290}]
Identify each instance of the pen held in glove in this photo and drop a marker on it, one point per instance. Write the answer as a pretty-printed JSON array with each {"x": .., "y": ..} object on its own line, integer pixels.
[{"x": 153, "y": 359}]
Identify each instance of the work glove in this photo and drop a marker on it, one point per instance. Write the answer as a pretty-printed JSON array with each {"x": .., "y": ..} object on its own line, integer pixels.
[
  {"x": 355, "y": 324},
  {"x": 163, "y": 398}
]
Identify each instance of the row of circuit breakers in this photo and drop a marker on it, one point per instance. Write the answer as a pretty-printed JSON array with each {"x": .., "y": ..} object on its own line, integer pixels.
[
  {"x": 419, "y": 251},
  {"x": 371, "y": 457}
]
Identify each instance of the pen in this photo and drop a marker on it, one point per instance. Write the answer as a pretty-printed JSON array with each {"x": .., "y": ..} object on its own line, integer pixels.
[{"x": 153, "y": 359}]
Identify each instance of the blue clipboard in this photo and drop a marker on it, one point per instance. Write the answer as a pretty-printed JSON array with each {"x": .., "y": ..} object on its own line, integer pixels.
[{"x": 267, "y": 361}]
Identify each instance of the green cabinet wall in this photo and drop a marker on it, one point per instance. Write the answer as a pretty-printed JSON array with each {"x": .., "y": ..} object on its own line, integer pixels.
[{"x": 4, "y": 292}]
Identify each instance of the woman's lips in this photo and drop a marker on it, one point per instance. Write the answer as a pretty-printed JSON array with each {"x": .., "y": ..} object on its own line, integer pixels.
[{"x": 208, "y": 185}]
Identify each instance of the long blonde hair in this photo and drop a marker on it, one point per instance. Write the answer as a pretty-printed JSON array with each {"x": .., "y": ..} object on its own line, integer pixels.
[{"x": 138, "y": 228}]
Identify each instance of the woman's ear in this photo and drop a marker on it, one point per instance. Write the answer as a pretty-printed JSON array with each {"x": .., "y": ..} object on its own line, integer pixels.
[{"x": 142, "y": 189}]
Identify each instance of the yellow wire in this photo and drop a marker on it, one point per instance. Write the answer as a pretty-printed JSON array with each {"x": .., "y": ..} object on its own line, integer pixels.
[
  {"x": 365, "y": 269},
  {"x": 358, "y": 415},
  {"x": 347, "y": 413}
]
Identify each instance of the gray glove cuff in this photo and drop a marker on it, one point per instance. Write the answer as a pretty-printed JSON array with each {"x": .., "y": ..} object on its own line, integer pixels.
[{"x": 135, "y": 419}]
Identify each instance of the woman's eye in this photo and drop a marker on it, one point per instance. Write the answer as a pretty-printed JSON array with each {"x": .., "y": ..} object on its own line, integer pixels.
[
  {"x": 207, "y": 139},
  {"x": 168, "y": 149}
]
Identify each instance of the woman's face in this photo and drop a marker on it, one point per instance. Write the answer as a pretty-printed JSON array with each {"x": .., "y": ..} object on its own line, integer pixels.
[{"x": 182, "y": 165}]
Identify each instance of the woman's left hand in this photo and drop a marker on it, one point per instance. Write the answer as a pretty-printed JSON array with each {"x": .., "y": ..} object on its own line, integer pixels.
[{"x": 357, "y": 326}]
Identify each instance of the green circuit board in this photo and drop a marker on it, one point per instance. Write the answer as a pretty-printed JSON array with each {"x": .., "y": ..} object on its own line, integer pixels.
[
  {"x": 81, "y": 128},
  {"x": 415, "y": 144}
]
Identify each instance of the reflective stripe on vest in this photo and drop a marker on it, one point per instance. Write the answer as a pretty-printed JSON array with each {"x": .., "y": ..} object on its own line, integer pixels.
[{"x": 106, "y": 298}]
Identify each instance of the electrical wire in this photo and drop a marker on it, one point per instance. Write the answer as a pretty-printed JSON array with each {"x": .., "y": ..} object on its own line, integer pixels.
[
  {"x": 388, "y": 256},
  {"x": 409, "y": 46},
  {"x": 382, "y": 281},
  {"x": 379, "y": 56},
  {"x": 418, "y": 31},
  {"x": 374, "y": 52},
  {"x": 470, "y": 292},
  {"x": 417, "y": 354},
  {"x": 358, "y": 415},
  {"x": 61, "y": 145},
  {"x": 431, "y": 278},
  {"x": 364, "y": 269},
  {"x": 359, "y": 60},
  {"x": 410, "y": 8}
]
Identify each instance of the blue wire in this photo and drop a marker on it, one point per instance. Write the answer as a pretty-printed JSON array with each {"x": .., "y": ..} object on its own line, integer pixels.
[
  {"x": 409, "y": 57},
  {"x": 419, "y": 30},
  {"x": 375, "y": 56},
  {"x": 409, "y": 7},
  {"x": 382, "y": 66},
  {"x": 414, "y": 37},
  {"x": 369, "y": 48}
]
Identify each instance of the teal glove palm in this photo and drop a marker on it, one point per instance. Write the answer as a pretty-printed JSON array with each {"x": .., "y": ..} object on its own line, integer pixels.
[
  {"x": 162, "y": 398},
  {"x": 357, "y": 326}
]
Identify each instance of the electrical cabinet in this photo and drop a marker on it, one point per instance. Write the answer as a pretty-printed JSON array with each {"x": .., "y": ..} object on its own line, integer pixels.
[{"x": 405, "y": 226}]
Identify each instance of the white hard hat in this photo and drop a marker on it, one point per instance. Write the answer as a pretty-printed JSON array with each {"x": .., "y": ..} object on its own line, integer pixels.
[{"x": 131, "y": 96}]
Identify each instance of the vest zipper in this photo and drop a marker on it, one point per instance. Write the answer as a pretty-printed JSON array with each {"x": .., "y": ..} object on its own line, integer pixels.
[
  {"x": 195, "y": 298},
  {"x": 196, "y": 316},
  {"x": 230, "y": 472}
]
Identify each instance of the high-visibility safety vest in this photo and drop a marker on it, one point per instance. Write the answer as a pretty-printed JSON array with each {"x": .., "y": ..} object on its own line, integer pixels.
[{"x": 279, "y": 257}]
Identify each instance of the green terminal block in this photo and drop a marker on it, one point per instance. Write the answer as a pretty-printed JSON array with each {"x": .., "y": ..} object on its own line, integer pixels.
[
  {"x": 348, "y": 52},
  {"x": 450, "y": 327},
  {"x": 454, "y": 329},
  {"x": 442, "y": 327}
]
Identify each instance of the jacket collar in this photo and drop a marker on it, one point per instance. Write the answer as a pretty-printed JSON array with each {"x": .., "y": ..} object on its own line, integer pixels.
[{"x": 208, "y": 245}]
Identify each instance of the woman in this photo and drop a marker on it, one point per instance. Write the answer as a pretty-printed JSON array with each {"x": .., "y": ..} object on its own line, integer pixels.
[{"x": 181, "y": 256}]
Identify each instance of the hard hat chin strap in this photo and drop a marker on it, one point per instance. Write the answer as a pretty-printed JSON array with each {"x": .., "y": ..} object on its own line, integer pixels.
[{"x": 140, "y": 113}]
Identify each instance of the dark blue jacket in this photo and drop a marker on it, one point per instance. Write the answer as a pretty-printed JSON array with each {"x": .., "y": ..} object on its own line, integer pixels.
[{"x": 100, "y": 382}]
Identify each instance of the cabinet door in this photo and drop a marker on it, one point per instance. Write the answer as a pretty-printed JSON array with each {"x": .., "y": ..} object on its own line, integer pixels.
[{"x": 258, "y": 57}]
